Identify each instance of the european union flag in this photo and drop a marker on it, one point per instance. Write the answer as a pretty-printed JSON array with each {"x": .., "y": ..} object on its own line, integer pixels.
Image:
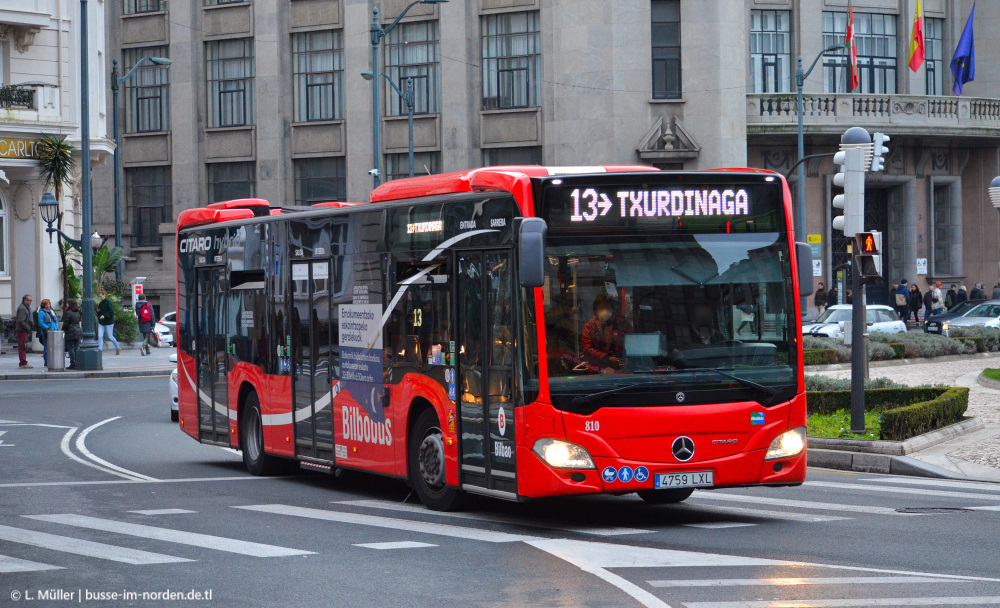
[{"x": 963, "y": 64}]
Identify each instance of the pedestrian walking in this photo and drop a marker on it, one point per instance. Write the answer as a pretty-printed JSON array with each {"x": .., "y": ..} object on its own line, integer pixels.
[
  {"x": 901, "y": 296},
  {"x": 977, "y": 292},
  {"x": 47, "y": 321},
  {"x": 71, "y": 325},
  {"x": 144, "y": 310},
  {"x": 996, "y": 292},
  {"x": 850, "y": 298},
  {"x": 949, "y": 297},
  {"x": 819, "y": 298},
  {"x": 832, "y": 297},
  {"x": 106, "y": 322},
  {"x": 916, "y": 302},
  {"x": 22, "y": 326},
  {"x": 962, "y": 295},
  {"x": 937, "y": 300}
]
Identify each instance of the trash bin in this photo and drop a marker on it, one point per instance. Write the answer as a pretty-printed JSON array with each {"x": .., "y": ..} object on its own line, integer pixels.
[{"x": 57, "y": 351}]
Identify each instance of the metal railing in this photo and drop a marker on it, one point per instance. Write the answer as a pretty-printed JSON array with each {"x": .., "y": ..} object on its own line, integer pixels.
[{"x": 14, "y": 97}]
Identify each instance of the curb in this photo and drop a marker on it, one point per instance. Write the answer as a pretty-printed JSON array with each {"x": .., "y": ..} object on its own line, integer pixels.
[
  {"x": 882, "y": 463},
  {"x": 832, "y": 367},
  {"x": 900, "y": 448},
  {"x": 123, "y": 373},
  {"x": 987, "y": 382}
]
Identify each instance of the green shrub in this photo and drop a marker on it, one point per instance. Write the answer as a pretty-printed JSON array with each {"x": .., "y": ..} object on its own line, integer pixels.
[
  {"x": 822, "y": 383},
  {"x": 906, "y": 412},
  {"x": 819, "y": 356},
  {"x": 899, "y": 348},
  {"x": 917, "y": 345},
  {"x": 879, "y": 351},
  {"x": 126, "y": 324},
  {"x": 816, "y": 343},
  {"x": 990, "y": 335},
  {"x": 979, "y": 342}
]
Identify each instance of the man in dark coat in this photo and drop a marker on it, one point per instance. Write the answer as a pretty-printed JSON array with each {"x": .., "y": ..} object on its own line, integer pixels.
[
  {"x": 22, "y": 326},
  {"x": 831, "y": 297},
  {"x": 901, "y": 300}
]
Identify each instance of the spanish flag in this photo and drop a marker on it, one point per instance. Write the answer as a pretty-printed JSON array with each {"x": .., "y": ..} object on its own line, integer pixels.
[{"x": 917, "y": 41}]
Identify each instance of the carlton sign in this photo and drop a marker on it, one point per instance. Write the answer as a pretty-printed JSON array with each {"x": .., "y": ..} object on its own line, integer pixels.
[{"x": 18, "y": 148}]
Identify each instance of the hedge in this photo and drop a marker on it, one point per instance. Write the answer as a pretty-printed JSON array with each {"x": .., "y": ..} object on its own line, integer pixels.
[
  {"x": 815, "y": 383},
  {"x": 899, "y": 348},
  {"x": 990, "y": 335},
  {"x": 906, "y": 412},
  {"x": 819, "y": 356},
  {"x": 979, "y": 342}
]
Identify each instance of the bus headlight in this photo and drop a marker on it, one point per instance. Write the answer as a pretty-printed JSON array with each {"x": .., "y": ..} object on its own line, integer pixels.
[
  {"x": 563, "y": 454},
  {"x": 785, "y": 445}
]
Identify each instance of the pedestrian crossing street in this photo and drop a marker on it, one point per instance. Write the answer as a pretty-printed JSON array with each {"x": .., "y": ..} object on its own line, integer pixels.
[{"x": 34, "y": 543}]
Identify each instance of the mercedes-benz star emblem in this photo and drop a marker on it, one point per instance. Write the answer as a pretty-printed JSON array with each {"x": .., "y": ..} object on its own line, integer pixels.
[
  {"x": 683, "y": 449},
  {"x": 680, "y": 397}
]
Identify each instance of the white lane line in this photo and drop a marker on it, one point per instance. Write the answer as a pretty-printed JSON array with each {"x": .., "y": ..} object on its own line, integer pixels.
[
  {"x": 944, "y": 483},
  {"x": 36, "y": 484},
  {"x": 407, "y": 525},
  {"x": 64, "y": 446},
  {"x": 162, "y": 511},
  {"x": 81, "y": 446},
  {"x": 88, "y": 548},
  {"x": 205, "y": 541},
  {"x": 988, "y": 508},
  {"x": 406, "y": 544},
  {"x": 787, "y": 515},
  {"x": 505, "y": 519},
  {"x": 863, "y": 602},
  {"x": 912, "y": 491},
  {"x": 795, "y": 582},
  {"x": 13, "y": 564},
  {"x": 2, "y": 444},
  {"x": 801, "y": 504},
  {"x": 719, "y": 525}
]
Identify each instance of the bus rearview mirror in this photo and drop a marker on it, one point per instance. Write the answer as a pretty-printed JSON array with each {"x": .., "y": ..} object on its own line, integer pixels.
[
  {"x": 531, "y": 248},
  {"x": 803, "y": 253}
]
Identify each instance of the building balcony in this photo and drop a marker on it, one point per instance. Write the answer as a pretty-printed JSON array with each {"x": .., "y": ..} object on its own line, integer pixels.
[
  {"x": 29, "y": 103},
  {"x": 900, "y": 115}
]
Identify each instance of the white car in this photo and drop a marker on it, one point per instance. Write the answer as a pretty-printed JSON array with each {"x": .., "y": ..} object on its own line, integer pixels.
[
  {"x": 986, "y": 314},
  {"x": 174, "y": 414},
  {"x": 164, "y": 333},
  {"x": 830, "y": 324},
  {"x": 169, "y": 319}
]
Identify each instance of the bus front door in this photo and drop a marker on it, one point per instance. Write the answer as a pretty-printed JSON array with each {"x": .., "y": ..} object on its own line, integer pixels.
[
  {"x": 311, "y": 379},
  {"x": 212, "y": 356},
  {"x": 486, "y": 371}
]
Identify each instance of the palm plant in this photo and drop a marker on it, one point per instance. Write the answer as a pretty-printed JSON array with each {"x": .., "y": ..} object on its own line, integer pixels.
[{"x": 56, "y": 164}]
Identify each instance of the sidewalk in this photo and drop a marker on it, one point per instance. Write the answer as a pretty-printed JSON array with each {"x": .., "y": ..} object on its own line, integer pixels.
[
  {"x": 128, "y": 364},
  {"x": 973, "y": 456}
]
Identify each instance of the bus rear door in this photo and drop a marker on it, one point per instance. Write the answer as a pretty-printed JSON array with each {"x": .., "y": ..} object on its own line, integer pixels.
[
  {"x": 311, "y": 382},
  {"x": 486, "y": 371},
  {"x": 212, "y": 355}
]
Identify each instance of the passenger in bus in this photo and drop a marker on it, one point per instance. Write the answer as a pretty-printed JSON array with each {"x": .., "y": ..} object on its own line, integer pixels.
[{"x": 603, "y": 338}]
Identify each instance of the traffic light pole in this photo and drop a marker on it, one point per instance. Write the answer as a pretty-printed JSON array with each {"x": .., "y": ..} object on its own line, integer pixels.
[{"x": 854, "y": 196}]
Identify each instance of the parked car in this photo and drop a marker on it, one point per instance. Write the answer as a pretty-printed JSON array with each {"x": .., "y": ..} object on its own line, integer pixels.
[
  {"x": 986, "y": 314},
  {"x": 881, "y": 318},
  {"x": 934, "y": 323},
  {"x": 174, "y": 413},
  {"x": 169, "y": 319},
  {"x": 164, "y": 333}
]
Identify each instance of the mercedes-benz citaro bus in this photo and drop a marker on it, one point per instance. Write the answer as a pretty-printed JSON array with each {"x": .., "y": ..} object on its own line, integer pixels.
[{"x": 518, "y": 332}]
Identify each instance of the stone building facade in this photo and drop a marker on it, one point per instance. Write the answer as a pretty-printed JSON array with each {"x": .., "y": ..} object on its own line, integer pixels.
[{"x": 265, "y": 98}]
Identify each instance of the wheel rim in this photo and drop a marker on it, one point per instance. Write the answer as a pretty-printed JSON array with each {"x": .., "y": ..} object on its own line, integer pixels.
[
  {"x": 430, "y": 456},
  {"x": 253, "y": 436}
]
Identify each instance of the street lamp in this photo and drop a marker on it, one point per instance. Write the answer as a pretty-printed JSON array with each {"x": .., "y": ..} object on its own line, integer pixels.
[
  {"x": 49, "y": 209},
  {"x": 407, "y": 97},
  {"x": 377, "y": 34},
  {"x": 115, "y": 83},
  {"x": 995, "y": 193}
]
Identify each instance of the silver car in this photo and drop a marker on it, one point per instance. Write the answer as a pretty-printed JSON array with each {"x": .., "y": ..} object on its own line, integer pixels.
[
  {"x": 830, "y": 324},
  {"x": 986, "y": 314}
]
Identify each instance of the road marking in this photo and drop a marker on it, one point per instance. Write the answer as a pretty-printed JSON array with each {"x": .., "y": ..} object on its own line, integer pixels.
[
  {"x": 205, "y": 541},
  {"x": 64, "y": 446},
  {"x": 2, "y": 444},
  {"x": 81, "y": 446},
  {"x": 968, "y": 485},
  {"x": 864, "y": 602},
  {"x": 162, "y": 511},
  {"x": 988, "y": 508},
  {"x": 35, "y": 484},
  {"x": 802, "y": 504},
  {"x": 787, "y": 515},
  {"x": 407, "y": 525},
  {"x": 406, "y": 544},
  {"x": 719, "y": 525},
  {"x": 13, "y": 564},
  {"x": 505, "y": 519},
  {"x": 88, "y": 548},
  {"x": 795, "y": 582},
  {"x": 912, "y": 491}
]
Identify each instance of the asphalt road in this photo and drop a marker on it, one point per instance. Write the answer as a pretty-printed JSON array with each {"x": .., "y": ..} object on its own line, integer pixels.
[{"x": 101, "y": 493}]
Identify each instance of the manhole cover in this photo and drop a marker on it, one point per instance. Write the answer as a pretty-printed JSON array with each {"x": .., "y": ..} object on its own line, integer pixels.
[{"x": 932, "y": 510}]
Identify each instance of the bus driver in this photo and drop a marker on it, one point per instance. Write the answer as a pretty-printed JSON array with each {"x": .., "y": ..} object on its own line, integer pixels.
[{"x": 603, "y": 339}]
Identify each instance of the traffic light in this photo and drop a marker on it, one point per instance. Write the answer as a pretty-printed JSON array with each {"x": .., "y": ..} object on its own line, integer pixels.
[
  {"x": 852, "y": 179},
  {"x": 868, "y": 255},
  {"x": 879, "y": 152}
]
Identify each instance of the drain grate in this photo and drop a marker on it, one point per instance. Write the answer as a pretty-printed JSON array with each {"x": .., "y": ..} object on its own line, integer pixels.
[{"x": 932, "y": 510}]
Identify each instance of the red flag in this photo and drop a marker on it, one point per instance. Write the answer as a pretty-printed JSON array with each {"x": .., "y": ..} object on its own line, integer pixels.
[
  {"x": 917, "y": 39},
  {"x": 852, "y": 50}
]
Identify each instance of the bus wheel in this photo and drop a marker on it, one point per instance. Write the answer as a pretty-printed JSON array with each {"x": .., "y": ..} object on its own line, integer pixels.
[
  {"x": 252, "y": 438},
  {"x": 665, "y": 497},
  {"x": 426, "y": 459}
]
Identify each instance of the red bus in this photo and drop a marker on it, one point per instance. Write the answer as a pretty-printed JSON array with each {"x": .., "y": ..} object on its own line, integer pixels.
[{"x": 517, "y": 332}]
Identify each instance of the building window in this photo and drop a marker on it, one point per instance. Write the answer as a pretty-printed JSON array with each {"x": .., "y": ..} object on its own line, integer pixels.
[
  {"x": 147, "y": 100},
  {"x": 320, "y": 180},
  {"x": 218, "y": 2},
  {"x": 228, "y": 181},
  {"x": 411, "y": 51},
  {"x": 397, "y": 166},
  {"x": 666, "y": 41},
  {"x": 512, "y": 61},
  {"x": 525, "y": 155},
  {"x": 319, "y": 75},
  {"x": 230, "y": 71},
  {"x": 148, "y": 196},
  {"x": 770, "y": 52},
  {"x": 3, "y": 237},
  {"x": 875, "y": 37},
  {"x": 934, "y": 55},
  {"x": 142, "y": 6}
]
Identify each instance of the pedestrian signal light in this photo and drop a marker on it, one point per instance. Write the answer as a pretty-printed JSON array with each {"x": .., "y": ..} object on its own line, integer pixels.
[{"x": 868, "y": 255}]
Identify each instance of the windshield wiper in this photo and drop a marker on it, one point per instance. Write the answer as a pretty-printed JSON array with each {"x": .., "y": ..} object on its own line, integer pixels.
[
  {"x": 584, "y": 400},
  {"x": 767, "y": 390}
]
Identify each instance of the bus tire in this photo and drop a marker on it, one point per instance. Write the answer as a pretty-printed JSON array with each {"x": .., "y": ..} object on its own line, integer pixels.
[
  {"x": 252, "y": 440},
  {"x": 427, "y": 465},
  {"x": 665, "y": 497}
]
